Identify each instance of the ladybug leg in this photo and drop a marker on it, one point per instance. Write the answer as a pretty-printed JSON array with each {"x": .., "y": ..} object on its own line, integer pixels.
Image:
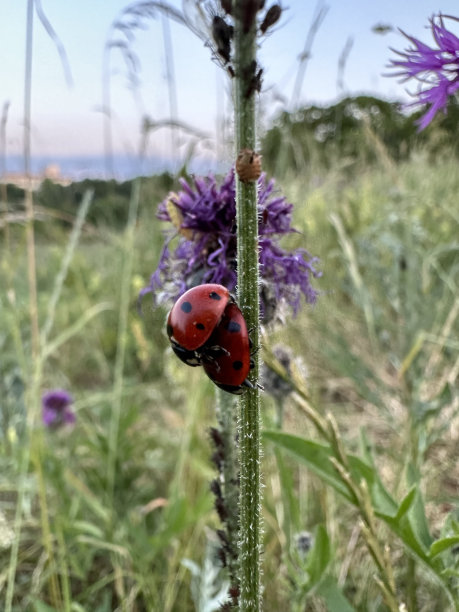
[
  {"x": 191, "y": 358},
  {"x": 212, "y": 354},
  {"x": 250, "y": 385}
]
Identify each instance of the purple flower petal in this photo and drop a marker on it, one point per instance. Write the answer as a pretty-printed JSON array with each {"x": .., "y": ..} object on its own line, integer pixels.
[
  {"x": 56, "y": 409},
  {"x": 208, "y": 254},
  {"x": 437, "y": 69}
]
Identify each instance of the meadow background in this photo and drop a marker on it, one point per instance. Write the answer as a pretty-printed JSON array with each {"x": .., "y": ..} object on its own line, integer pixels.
[{"x": 115, "y": 512}]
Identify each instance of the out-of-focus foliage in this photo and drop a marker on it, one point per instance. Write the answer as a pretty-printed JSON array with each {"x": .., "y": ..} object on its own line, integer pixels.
[{"x": 351, "y": 132}]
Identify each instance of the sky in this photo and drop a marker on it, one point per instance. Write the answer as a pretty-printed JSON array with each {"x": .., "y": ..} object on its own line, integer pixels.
[{"x": 67, "y": 118}]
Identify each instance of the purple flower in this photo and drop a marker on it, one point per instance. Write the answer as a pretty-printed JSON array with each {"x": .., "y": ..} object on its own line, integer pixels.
[
  {"x": 56, "y": 408},
  {"x": 204, "y": 217},
  {"x": 435, "y": 68}
]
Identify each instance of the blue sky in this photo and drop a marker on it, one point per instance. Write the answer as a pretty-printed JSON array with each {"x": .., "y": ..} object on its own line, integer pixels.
[{"x": 67, "y": 120}]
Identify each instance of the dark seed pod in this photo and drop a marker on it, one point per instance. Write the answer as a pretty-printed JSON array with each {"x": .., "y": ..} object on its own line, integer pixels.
[
  {"x": 234, "y": 593},
  {"x": 221, "y": 557},
  {"x": 272, "y": 16},
  {"x": 218, "y": 458},
  {"x": 248, "y": 165},
  {"x": 217, "y": 437},
  {"x": 216, "y": 488},
  {"x": 227, "y": 6},
  {"x": 221, "y": 509},
  {"x": 222, "y": 33},
  {"x": 221, "y": 533}
]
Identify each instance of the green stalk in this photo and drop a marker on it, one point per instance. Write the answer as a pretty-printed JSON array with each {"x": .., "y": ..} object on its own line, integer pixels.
[
  {"x": 126, "y": 275},
  {"x": 230, "y": 484},
  {"x": 248, "y": 296}
]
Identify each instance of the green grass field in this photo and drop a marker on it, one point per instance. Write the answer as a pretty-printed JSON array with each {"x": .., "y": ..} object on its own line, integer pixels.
[{"x": 115, "y": 513}]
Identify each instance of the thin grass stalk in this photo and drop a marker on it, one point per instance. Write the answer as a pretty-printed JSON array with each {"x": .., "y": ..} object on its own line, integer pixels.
[
  {"x": 37, "y": 462},
  {"x": 3, "y": 188},
  {"x": 30, "y": 237},
  {"x": 35, "y": 368},
  {"x": 63, "y": 569},
  {"x": 122, "y": 337},
  {"x": 33, "y": 442},
  {"x": 107, "y": 113},
  {"x": 248, "y": 295},
  {"x": 60, "y": 278},
  {"x": 171, "y": 83}
]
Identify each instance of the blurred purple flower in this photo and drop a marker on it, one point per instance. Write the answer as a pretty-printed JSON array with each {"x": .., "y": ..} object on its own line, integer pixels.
[
  {"x": 204, "y": 214},
  {"x": 56, "y": 408},
  {"x": 436, "y": 68}
]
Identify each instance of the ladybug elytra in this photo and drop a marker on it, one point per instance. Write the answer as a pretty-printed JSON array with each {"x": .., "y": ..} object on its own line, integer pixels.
[
  {"x": 227, "y": 359},
  {"x": 206, "y": 327}
]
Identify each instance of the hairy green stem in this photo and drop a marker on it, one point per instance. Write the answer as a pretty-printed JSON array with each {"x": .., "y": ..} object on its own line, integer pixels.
[
  {"x": 230, "y": 484},
  {"x": 247, "y": 256}
]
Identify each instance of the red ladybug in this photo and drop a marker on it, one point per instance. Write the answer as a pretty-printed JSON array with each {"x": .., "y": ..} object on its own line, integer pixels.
[
  {"x": 226, "y": 355},
  {"x": 193, "y": 318}
]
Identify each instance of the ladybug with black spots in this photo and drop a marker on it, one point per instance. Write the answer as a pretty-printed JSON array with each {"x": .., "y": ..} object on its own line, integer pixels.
[
  {"x": 193, "y": 318},
  {"x": 227, "y": 361},
  {"x": 206, "y": 327}
]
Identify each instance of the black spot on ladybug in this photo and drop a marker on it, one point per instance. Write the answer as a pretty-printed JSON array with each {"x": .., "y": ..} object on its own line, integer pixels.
[
  {"x": 170, "y": 331},
  {"x": 186, "y": 307},
  {"x": 237, "y": 365},
  {"x": 200, "y": 326},
  {"x": 233, "y": 327},
  {"x": 214, "y": 296}
]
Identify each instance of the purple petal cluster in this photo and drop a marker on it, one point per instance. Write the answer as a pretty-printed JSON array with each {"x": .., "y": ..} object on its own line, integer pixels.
[
  {"x": 203, "y": 215},
  {"x": 56, "y": 409},
  {"x": 435, "y": 68}
]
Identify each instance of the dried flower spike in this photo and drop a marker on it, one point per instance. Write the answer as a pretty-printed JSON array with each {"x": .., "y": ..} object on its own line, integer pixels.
[
  {"x": 227, "y": 6},
  {"x": 248, "y": 165},
  {"x": 272, "y": 16},
  {"x": 222, "y": 34}
]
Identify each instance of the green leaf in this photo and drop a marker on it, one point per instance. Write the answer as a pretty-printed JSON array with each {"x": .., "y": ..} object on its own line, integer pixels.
[
  {"x": 410, "y": 524},
  {"x": 417, "y": 517},
  {"x": 317, "y": 457},
  {"x": 318, "y": 557},
  {"x": 443, "y": 544},
  {"x": 405, "y": 504},
  {"x": 407, "y": 521},
  {"x": 333, "y": 597},
  {"x": 88, "y": 528}
]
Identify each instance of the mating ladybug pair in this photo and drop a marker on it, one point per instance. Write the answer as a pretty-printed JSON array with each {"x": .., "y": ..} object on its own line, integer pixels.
[{"x": 206, "y": 327}]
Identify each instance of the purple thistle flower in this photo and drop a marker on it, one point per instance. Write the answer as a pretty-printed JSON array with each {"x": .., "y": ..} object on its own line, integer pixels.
[
  {"x": 204, "y": 215},
  {"x": 436, "y": 68},
  {"x": 56, "y": 408}
]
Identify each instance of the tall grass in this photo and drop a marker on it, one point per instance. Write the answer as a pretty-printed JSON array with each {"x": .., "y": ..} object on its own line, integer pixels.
[
  {"x": 390, "y": 386},
  {"x": 360, "y": 504}
]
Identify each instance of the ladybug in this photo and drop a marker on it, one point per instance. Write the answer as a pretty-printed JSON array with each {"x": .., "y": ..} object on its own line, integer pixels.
[
  {"x": 226, "y": 356},
  {"x": 193, "y": 318}
]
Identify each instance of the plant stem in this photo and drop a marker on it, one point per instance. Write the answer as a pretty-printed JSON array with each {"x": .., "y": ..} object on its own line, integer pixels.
[
  {"x": 247, "y": 256},
  {"x": 126, "y": 274},
  {"x": 30, "y": 237},
  {"x": 230, "y": 471}
]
